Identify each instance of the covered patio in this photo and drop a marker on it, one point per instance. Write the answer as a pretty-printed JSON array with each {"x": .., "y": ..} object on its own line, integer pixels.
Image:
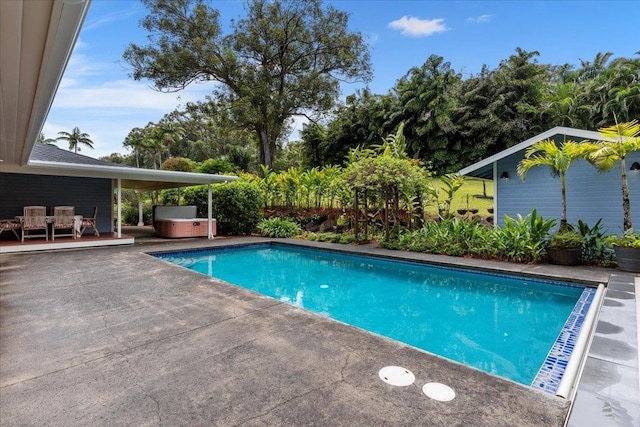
[{"x": 142, "y": 180}]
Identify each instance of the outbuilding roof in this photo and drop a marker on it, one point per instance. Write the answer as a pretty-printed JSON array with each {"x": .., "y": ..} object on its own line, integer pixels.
[{"x": 484, "y": 168}]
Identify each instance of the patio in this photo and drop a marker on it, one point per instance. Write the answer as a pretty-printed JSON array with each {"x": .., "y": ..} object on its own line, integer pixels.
[{"x": 113, "y": 336}]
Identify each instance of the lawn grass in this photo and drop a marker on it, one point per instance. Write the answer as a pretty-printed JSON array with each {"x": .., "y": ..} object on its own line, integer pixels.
[{"x": 471, "y": 187}]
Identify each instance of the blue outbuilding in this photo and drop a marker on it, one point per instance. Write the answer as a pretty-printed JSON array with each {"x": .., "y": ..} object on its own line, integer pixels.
[{"x": 591, "y": 195}]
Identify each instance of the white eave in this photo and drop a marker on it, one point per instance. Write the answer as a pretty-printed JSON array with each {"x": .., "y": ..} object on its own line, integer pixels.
[
  {"x": 36, "y": 41},
  {"x": 138, "y": 179},
  {"x": 558, "y": 130}
]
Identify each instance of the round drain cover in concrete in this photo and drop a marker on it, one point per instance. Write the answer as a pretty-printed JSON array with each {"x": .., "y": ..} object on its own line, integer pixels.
[
  {"x": 396, "y": 375},
  {"x": 438, "y": 391}
]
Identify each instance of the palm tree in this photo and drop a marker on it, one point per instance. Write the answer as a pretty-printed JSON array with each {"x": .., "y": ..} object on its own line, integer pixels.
[
  {"x": 558, "y": 159},
  {"x": 75, "y": 138},
  {"x": 169, "y": 134},
  {"x": 135, "y": 141},
  {"x": 44, "y": 140},
  {"x": 619, "y": 140}
]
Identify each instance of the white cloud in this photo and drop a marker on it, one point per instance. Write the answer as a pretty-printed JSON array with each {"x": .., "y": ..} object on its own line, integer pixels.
[
  {"x": 109, "y": 111},
  {"x": 416, "y": 27},
  {"x": 111, "y": 17},
  {"x": 480, "y": 19},
  {"x": 127, "y": 95}
]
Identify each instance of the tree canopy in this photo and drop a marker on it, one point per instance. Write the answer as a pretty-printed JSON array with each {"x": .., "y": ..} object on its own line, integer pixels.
[
  {"x": 285, "y": 58},
  {"x": 452, "y": 122}
]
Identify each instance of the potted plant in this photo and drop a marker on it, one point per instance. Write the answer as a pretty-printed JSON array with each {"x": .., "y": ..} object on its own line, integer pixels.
[
  {"x": 558, "y": 159},
  {"x": 627, "y": 248},
  {"x": 565, "y": 247},
  {"x": 620, "y": 140}
]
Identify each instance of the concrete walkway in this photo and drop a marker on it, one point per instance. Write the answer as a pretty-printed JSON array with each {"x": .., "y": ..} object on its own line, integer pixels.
[
  {"x": 609, "y": 391},
  {"x": 113, "y": 336}
]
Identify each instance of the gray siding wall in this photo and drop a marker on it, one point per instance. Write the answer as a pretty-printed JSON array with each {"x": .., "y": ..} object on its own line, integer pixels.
[
  {"x": 19, "y": 190},
  {"x": 590, "y": 195}
]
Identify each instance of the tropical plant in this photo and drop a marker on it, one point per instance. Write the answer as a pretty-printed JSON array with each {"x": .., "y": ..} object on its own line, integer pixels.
[
  {"x": 558, "y": 159},
  {"x": 379, "y": 179},
  {"x": 452, "y": 183},
  {"x": 75, "y": 138},
  {"x": 618, "y": 141},
  {"x": 522, "y": 239},
  {"x": 595, "y": 250},
  {"x": 629, "y": 239},
  {"x": 566, "y": 240}
]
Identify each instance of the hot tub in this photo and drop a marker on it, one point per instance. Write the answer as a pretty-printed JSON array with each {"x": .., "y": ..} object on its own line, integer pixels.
[{"x": 175, "y": 228}]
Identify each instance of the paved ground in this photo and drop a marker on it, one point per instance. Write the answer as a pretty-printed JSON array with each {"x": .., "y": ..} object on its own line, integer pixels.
[
  {"x": 608, "y": 392},
  {"x": 115, "y": 337}
]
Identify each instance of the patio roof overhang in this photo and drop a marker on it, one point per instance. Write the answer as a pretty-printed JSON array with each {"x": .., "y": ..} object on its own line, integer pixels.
[
  {"x": 133, "y": 178},
  {"x": 36, "y": 41}
]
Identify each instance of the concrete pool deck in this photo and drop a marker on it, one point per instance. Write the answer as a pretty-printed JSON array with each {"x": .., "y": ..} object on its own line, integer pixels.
[{"x": 113, "y": 336}]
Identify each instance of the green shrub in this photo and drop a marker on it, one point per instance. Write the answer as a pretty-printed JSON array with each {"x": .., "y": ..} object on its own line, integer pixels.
[
  {"x": 566, "y": 240},
  {"x": 278, "y": 227},
  {"x": 130, "y": 215},
  {"x": 239, "y": 157},
  {"x": 217, "y": 166},
  {"x": 180, "y": 164},
  {"x": 345, "y": 238},
  {"x": 169, "y": 197},
  {"x": 236, "y": 206}
]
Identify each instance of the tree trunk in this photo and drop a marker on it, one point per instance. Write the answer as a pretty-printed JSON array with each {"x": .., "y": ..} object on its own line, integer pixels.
[
  {"x": 626, "y": 204},
  {"x": 267, "y": 148},
  {"x": 563, "y": 191}
]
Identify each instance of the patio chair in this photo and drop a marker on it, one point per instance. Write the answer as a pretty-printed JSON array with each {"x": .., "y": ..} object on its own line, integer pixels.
[
  {"x": 10, "y": 224},
  {"x": 34, "y": 218},
  {"x": 90, "y": 223},
  {"x": 63, "y": 220}
]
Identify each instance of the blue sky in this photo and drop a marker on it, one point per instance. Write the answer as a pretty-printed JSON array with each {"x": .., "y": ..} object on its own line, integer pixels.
[{"x": 97, "y": 95}]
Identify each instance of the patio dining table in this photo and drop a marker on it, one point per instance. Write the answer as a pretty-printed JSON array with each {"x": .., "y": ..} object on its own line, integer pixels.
[{"x": 77, "y": 222}]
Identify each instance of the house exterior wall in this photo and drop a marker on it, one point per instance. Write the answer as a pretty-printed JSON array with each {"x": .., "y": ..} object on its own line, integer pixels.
[
  {"x": 591, "y": 195},
  {"x": 19, "y": 190}
]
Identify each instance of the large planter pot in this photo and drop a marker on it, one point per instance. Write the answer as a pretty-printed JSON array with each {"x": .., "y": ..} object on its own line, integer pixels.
[
  {"x": 564, "y": 256},
  {"x": 628, "y": 258}
]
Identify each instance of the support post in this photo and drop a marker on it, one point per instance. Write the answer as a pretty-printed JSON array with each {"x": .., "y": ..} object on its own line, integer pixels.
[
  {"x": 140, "y": 211},
  {"x": 209, "y": 214},
  {"x": 119, "y": 219}
]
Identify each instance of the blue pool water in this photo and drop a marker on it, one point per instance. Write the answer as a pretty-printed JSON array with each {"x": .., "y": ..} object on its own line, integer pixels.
[{"x": 500, "y": 324}]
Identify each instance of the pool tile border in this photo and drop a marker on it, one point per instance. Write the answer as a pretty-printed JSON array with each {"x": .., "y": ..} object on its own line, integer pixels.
[{"x": 552, "y": 370}]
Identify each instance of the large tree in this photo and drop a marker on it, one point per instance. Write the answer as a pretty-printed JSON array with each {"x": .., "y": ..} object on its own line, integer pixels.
[
  {"x": 426, "y": 105},
  {"x": 285, "y": 58}
]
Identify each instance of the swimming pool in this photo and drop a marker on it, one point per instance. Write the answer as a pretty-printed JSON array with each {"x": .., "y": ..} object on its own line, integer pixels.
[{"x": 504, "y": 325}]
